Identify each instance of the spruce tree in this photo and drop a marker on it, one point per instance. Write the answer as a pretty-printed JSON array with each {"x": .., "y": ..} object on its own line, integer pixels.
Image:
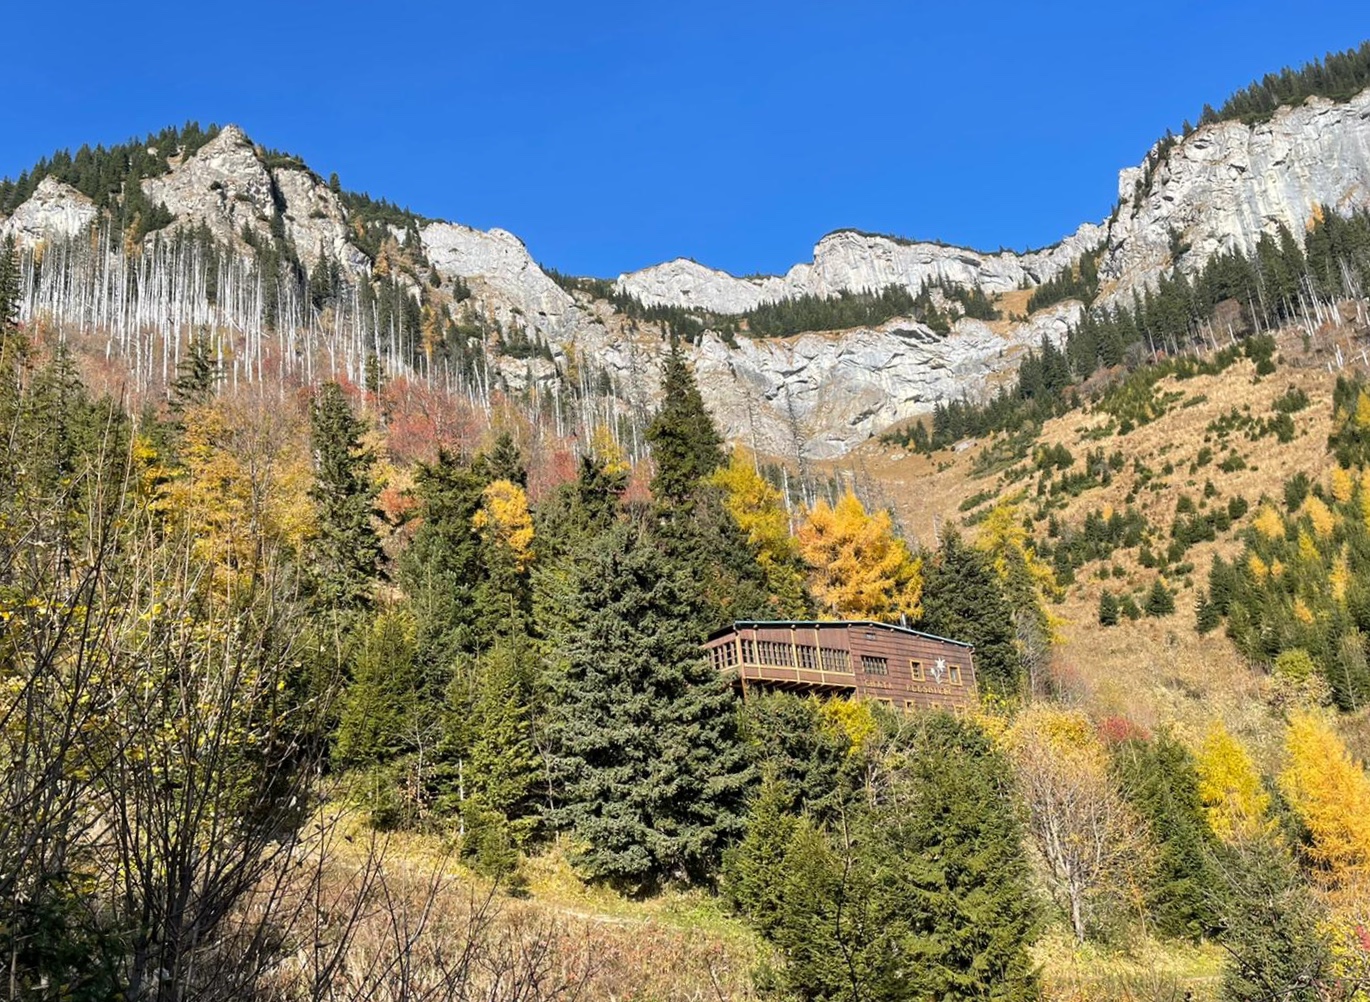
[
  {"x": 1273, "y": 926},
  {"x": 1206, "y": 615},
  {"x": 963, "y": 600},
  {"x": 13, "y": 347},
  {"x": 382, "y": 700},
  {"x": 922, "y": 891},
  {"x": 346, "y": 553},
  {"x": 693, "y": 524},
  {"x": 197, "y": 374},
  {"x": 650, "y": 772},
  {"x": 442, "y": 570},
  {"x": 1160, "y": 781},
  {"x": 1159, "y": 600},
  {"x": 685, "y": 445},
  {"x": 1108, "y": 609}
]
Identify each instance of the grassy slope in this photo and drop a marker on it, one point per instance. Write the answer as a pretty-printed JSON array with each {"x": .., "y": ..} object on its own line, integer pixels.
[{"x": 1154, "y": 671}]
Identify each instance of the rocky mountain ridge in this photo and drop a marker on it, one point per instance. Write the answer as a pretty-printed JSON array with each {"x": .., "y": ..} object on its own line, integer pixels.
[
  {"x": 1216, "y": 190},
  {"x": 817, "y": 394}
]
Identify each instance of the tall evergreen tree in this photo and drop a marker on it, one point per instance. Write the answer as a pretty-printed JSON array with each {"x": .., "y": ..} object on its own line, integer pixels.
[
  {"x": 443, "y": 568},
  {"x": 650, "y": 772},
  {"x": 1273, "y": 927},
  {"x": 964, "y": 600},
  {"x": 685, "y": 445},
  {"x": 197, "y": 374},
  {"x": 920, "y": 892},
  {"x": 1160, "y": 781},
  {"x": 346, "y": 553}
]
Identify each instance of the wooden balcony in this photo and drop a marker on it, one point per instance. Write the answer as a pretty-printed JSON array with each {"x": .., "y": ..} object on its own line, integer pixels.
[{"x": 795, "y": 677}]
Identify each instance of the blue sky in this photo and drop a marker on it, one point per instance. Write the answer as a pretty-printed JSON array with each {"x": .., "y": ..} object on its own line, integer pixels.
[{"x": 610, "y": 136}]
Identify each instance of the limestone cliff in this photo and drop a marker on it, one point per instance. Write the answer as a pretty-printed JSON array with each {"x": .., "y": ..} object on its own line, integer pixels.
[
  {"x": 1217, "y": 189},
  {"x": 1225, "y": 184},
  {"x": 851, "y": 261}
]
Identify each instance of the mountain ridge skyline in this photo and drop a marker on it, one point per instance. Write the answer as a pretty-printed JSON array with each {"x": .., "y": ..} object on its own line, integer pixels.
[{"x": 704, "y": 143}]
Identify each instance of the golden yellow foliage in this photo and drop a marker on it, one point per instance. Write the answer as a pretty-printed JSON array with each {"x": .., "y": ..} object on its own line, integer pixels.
[
  {"x": 1009, "y": 546},
  {"x": 241, "y": 488},
  {"x": 757, "y": 508},
  {"x": 1340, "y": 576},
  {"x": 504, "y": 520},
  {"x": 1320, "y": 515},
  {"x": 1277, "y": 568},
  {"x": 609, "y": 453},
  {"x": 1343, "y": 486},
  {"x": 1302, "y": 613},
  {"x": 1234, "y": 798},
  {"x": 1331, "y": 793},
  {"x": 1308, "y": 550},
  {"x": 860, "y": 568},
  {"x": 1257, "y": 567},
  {"x": 1268, "y": 523},
  {"x": 1362, "y": 418},
  {"x": 851, "y": 719},
  {"x": 759, "y": 511}
]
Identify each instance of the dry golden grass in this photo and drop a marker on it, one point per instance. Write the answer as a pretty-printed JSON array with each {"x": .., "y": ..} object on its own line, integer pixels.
[
  {"x": 404, "y": 919},
  {"x": 1146, "y": 971},
  {"x": 1155, "y": 672}
]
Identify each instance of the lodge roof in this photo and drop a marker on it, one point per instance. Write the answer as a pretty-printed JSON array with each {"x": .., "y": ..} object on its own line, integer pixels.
[{"x": 861, "y": 623}]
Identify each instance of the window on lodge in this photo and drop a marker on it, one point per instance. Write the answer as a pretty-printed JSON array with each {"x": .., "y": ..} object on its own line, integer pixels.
[
  {"x": 954, "y": 674},
  {"x": 832, "y": 659},
  {"x": 916, "y": 670},
  {"x": 767, "y": 652},
  {"x": 872, "y": 665}
]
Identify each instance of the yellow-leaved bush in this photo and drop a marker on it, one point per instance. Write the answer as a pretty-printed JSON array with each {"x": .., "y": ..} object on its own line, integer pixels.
[
  {"x": 859, "y": 568},
  {"x": 1234, "y": 798},
  {"x": 1330, "y": 790}
]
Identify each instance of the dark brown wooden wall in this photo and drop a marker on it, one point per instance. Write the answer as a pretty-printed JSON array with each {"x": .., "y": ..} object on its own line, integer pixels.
[{"x": 896, "y": 687}]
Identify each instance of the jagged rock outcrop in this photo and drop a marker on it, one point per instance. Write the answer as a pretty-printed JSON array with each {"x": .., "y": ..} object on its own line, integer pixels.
[
  {"x": 822, "y": 394},
  {"x": 54, "y": 210},
  {"x": 850, "y": 261},
  {"x": 1217, "y": 189},
  {"x": 1226, "y": 183},
  {"x": 515, "y": 286},
  {"x": 226, "y": 186}
]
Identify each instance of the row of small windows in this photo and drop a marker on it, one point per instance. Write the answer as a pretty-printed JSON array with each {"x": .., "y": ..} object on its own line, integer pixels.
[
  {"x": 777, "y": 654},
  {"x": 911, "y": 705},
  {"x": 781, "y": 655}
]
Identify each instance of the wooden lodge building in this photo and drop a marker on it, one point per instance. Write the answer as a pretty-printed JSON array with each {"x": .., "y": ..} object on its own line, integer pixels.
[{"x": 890, "y": 664}]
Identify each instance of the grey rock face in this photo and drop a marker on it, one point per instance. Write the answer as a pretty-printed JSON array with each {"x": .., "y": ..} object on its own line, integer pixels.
[
  {"x": 1226, "y": 184},
  {"x": 498, "y": 260},
  {"x": 225, "y": 186},
  {"x": 852, "y": 261},
  {"x": 54, "y": 210},
  {"x": 822, "y": 394}
]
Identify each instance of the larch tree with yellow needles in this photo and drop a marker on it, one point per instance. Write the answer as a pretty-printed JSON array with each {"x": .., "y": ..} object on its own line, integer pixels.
[
  {"x": 1234, "y": 798},
  {"x": 859, "y": 568},
  {"x": 759, "y": 511},
  {"x": 1330, "y": 790}
]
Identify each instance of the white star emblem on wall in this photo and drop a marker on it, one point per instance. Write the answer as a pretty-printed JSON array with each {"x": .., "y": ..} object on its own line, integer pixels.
[{"x": 939, "y": 670}]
